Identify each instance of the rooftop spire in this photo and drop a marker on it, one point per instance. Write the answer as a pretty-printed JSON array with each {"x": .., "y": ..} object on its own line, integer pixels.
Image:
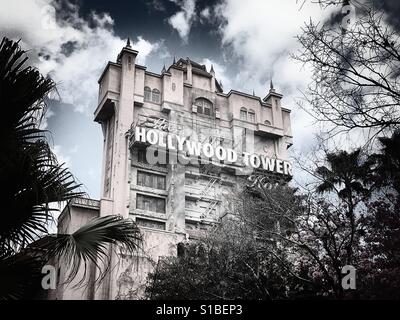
[
  {"x": 163, "y": 69},
  {"x": 174, "y": 62},
  {"x": 271, "y": 87},
  {"x": 128, "y": 43},
  {"x": 254, "y": 94},
  {"x": 212, "y": 69}
]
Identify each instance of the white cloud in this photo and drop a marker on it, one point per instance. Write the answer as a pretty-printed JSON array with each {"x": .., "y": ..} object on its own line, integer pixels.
[
  {"x": 262, "y": 31},
  {"x": 183, "y": 19},
  {"x": 74, "y": 149},
  {"x": 73, "y": 51},
  {"x": 145, "y": 48},
  {"x": 44, "y": 123},
  {"x": 261, "y": 35},
  {"x": 220, "y": 72},
  {"x": 205, "y": 13},
  {"x": 61, "y": 156}
]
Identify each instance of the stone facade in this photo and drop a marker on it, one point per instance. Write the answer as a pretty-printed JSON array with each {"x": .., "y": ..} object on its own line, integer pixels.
[{"x": 171, "y": 202}]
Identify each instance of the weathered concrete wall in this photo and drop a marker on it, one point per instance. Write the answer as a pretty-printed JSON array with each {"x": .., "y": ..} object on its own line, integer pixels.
[
  {"x": 153, "y": 82},
  {"x": 173, "y": 87},
  {"x": 131, "y": 271},
  {"x": 200, "y": 82},
  {"x": 74, "y": 216}
]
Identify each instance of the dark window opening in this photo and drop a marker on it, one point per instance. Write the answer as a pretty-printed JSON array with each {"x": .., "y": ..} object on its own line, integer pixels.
[
  {"x": 148, "y": 203},
  {"x": 204, "y": 106},
  {"x": 150, "y": 180},
  {"x": 147, "y": 94}
]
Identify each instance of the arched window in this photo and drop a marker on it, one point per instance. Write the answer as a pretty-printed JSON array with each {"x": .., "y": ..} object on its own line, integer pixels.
[
  {"x": 204, "y": 106},
  {"x": 147, "y": 94},
  {"x": 252, "y": 116},
  {"x": 243, "y": 114},
  {"x": 156, "y": 96}
]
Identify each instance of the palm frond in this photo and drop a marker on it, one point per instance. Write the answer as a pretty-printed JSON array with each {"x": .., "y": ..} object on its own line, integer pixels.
[
  {"x": 20, "y": 275},
  {"x": 34, "y": 180},
  {"x": 90, "y": 244},
  {"x": 28, "y": 168},
  {"x": 22, "y": 92}
]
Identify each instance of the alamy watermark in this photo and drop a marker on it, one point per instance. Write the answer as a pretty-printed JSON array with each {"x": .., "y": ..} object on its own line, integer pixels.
[
  {"x": 49, "y": 280},
  {"x": 349, "y": 15},
  {"x": 48, "y": 14},
  {"x": 349, "y": 277}
]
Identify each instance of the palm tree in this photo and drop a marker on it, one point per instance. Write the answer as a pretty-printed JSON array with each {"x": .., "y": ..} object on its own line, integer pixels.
[
  {"x": 32, "y": 179},
  {"x": 387, "y": 162},
  {"x": 345, "y": 176}
]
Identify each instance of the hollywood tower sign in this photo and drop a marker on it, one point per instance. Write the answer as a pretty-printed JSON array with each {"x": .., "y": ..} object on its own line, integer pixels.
[
  {"x": 157, "y": 136},
  {"x": 176, "y": 148}
]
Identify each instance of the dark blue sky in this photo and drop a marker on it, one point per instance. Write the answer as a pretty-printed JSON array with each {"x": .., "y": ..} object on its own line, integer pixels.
[{"x": 149, "y": 18}]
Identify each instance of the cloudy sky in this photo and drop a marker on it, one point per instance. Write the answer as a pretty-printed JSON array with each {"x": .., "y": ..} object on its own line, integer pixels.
[{"x": 248, "y": 42}]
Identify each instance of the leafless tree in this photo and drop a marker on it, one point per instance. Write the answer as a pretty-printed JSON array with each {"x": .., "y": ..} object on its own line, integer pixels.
[
  {"x": 355, "y": 74},
  {"x": 318, "y": 236}
]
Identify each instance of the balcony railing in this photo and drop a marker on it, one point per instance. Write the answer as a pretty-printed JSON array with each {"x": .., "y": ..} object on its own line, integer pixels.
[{"x": 86, "y": 202}]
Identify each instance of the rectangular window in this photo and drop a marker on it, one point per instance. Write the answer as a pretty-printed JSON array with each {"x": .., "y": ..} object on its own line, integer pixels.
[
  {"x": 243, "y": 115},
  {"x": 161, "y": 182},
  {"x": 207, "y": 111},
  {"x": 148, "y": 181},
  {"x": 149, "y": 203},
  {"x": 140, "y": 181},
  {"x": 156, "y": 96},
  {"x": 151, "y": 180},
  {"x": 162, "y": 157},
  {"x": 252, "y": 117},
  {"x": 160, "y": 206},
  {"x": 190, "y": 204},
  {"x": 147, "y": 94}
]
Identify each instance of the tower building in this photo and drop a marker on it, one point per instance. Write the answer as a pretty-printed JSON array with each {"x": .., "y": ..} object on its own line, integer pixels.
[{"x": 175, "y": 148}]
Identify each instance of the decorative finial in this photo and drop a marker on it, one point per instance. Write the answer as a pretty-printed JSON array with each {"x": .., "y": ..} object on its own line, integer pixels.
[
  {"x": 254, "y": 94},
  {"x": 174, "y": 62},
  {"x": 271, "y": 87},
  {"x": 128, "y": 43},
  {"x": 220, "y": 83},
  {"x": 212, "y": 69},
  {"x": 163, "y": 69}
]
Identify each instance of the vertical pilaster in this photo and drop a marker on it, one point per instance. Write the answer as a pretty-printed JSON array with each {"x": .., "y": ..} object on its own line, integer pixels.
[
  {"x": 124, "y": 120},
  {"x": 189, "y": 72}
]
